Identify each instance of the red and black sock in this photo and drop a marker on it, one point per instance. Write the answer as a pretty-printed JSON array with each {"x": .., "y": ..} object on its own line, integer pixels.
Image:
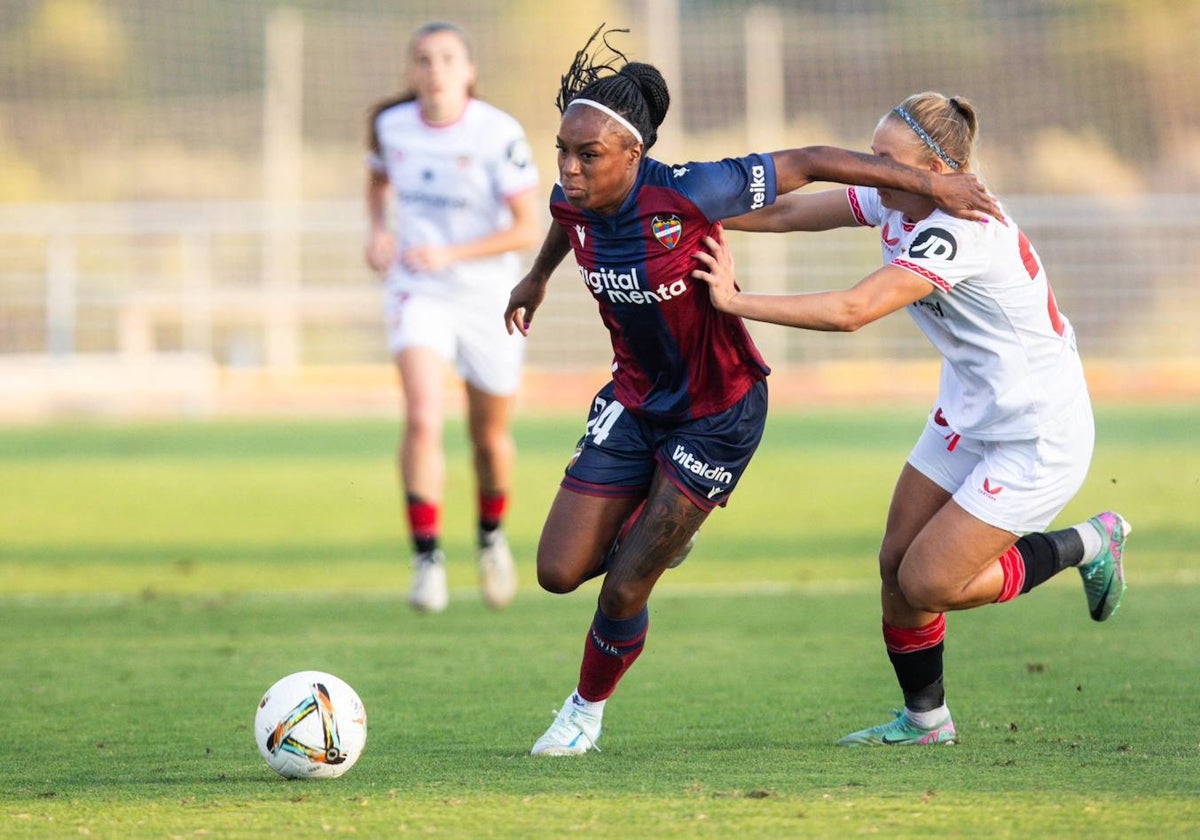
[
  {"x": 1035, "y": 558},
  {"x": 611, "y": 647},
  {"x": 424, "y": 522},
  {"x": 916, "y": 655},
  {"x": 492, "y": 505},
  {"x": 1047, "y": 554}
]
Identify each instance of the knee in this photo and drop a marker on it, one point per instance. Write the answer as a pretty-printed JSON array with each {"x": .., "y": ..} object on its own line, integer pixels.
[
  {"x": 889, "y": 568},
  {"x": 492, "y": 445},
  {"x": 556, "y": 577},
  {"x": 555, "y": 581},
  {"x": 623, "y": 600},
  {"x": 423, "y": 426},
  {"x": 922, "y": 593}
]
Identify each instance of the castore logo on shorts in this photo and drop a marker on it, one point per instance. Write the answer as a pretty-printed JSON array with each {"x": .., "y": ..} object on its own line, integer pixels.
[{"x": 991, "y": 490}]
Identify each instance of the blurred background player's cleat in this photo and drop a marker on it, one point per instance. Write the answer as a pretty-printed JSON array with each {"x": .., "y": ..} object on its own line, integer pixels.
[
  {"x": 429, "y": 592},
  {"x": 497, "y": 571}
]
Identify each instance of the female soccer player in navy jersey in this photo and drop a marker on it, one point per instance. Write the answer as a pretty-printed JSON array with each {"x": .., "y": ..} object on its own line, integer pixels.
[
  {"x": 1010, "y": 438},
  {"x": 671, "y": 434}
]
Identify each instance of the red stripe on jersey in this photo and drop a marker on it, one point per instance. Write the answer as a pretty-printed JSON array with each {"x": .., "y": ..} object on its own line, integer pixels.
[
  {"x": 1034, "y": 267},
  {"x": 913, "y": 639},
  {"x": 856, "y": 207},
  {"x": 923, "y": 272},
  {"x": 1056, "y": 320}
]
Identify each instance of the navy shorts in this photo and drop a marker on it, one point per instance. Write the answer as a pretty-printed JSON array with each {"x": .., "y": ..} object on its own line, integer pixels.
[{"x": 704, "y": 458}]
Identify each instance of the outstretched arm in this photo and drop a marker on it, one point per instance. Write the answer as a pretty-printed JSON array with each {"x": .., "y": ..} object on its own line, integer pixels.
[
  {"x": 798, "y": 211},
  {"x": 960, "y": 193},
  {"x": 528, "y": 294},
  {"x": 878, "y": 294}
]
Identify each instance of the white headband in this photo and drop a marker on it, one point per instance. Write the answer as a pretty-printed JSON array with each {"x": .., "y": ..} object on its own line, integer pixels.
[{"x": 626, "y": 123}]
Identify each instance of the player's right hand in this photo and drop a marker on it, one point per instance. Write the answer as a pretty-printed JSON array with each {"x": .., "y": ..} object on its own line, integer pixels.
[
  {"x": 381, "y": 251},
  {"x": 523, "y": 302}
]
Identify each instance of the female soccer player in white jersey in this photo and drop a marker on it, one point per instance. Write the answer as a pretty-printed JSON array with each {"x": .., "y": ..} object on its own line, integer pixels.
[
  {"x": 1009, "y": 440},
  {"x": 459, "y": 175},
  {"x": 667, "y": 439}
]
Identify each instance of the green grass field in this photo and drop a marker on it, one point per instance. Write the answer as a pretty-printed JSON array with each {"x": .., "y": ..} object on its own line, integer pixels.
[{"x": 155, "y": 579}]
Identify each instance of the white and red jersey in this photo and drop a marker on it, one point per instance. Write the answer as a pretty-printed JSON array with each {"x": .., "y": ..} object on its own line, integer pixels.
[
  {"x": 1010, "y": 365},
  {"x": 452, "y": 184}
]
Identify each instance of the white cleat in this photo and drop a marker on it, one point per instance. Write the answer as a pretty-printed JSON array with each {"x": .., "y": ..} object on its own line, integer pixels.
[
  {"x": 429, "y": 592},
  {"x": 497, "y": 571},
  {"x": 573, "y": 732}
]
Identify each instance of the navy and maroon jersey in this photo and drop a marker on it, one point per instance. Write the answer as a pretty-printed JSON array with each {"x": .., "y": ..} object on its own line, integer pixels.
[{"x": 675, "y": 357}]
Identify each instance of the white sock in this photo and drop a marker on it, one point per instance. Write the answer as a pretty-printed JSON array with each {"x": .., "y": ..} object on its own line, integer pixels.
[
  {"x": 927, "y": 720},
  {"x": 1093, "y": 541},
  {"x": 588, "y": 707}
]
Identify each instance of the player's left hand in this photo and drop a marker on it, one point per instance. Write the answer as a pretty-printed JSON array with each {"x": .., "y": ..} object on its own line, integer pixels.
[
  {"x": 717, "y": 270},
  {"x": 427, "y": 259},
  {"x": 962, "y": 194}
]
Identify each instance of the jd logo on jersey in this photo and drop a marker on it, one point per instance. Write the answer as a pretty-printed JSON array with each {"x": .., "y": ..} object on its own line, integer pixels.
[
  {"x": 667, "y": 230},
  {"x": 934, "y": 244}
]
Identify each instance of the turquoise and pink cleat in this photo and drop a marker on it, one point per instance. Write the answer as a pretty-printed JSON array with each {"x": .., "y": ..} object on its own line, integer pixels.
[
  {"x": 902, "y": 732},
  {"x": 1104, "y": 577}
]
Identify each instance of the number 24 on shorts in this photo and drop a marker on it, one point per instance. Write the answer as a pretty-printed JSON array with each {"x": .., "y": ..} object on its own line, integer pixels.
[{"x": 605, "y": 417}]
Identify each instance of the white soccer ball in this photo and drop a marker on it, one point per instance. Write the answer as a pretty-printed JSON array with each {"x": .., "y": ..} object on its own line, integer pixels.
[{"x": 310, "y": 725}]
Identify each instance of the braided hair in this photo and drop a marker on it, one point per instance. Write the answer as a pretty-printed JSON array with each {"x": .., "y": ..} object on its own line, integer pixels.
[{"x": 636, "y": 91}]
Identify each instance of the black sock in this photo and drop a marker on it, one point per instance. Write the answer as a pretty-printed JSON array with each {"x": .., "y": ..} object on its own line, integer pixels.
[
  {"x": 486, "y": 529},
  {"x": 424, "y": 545},
  {"x": 1047, "y": 554},
  {"x": 920, "y": 676}
]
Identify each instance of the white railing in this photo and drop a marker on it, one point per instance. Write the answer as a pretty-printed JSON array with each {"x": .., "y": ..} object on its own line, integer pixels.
[{"x": 235, "y": 286}]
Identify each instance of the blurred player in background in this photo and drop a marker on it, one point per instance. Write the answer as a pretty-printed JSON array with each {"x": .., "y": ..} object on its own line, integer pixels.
[
  {"x": 668, "y": 438},
  {"x": 459, "y": 176},
  {"x": 1009, "y": 441}
]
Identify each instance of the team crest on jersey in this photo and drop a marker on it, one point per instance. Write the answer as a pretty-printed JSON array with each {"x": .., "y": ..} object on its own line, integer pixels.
[
  {"x": 519, "y": 154},
  {"x": 667, "y": 230}
]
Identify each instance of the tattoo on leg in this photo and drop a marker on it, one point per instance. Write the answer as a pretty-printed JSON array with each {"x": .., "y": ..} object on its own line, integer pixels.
[{"x": 665, "y": 526}]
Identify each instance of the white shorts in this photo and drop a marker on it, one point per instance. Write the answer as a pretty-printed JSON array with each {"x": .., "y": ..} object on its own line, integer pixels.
[
  {"x": 472, "y": 337},
  {"x": 1016, "y": 485}
]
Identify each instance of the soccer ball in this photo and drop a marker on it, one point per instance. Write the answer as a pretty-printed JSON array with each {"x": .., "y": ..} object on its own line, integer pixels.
[{"x": 310, "y": 725}]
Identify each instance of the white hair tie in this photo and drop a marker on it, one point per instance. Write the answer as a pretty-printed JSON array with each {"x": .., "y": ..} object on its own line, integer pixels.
[{"x": 626, "y": 123}]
